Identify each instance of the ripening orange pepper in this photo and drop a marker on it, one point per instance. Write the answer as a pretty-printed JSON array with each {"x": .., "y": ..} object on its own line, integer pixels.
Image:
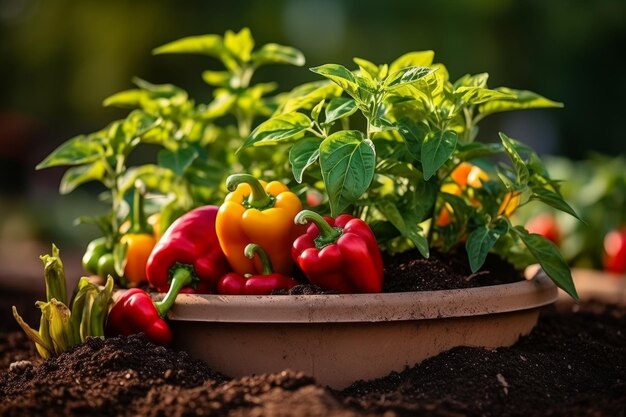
[
  {"x": 262, "y": 213},
  {"x": 139, "y": 241},
  {"x": 509, "y": 203},
  {"x": 139, "y": 247},
  {"x": 468, "y": 174},
  {"x": 445, "y": 214}
]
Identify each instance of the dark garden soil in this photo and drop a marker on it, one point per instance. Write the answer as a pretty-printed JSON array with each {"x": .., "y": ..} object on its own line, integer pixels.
[{"x": 572, "y": 364}]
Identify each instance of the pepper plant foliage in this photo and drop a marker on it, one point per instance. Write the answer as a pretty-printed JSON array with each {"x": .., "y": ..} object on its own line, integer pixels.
[
  {"x": 197, "y": 141},
  {"x": 399, "y": 172}
]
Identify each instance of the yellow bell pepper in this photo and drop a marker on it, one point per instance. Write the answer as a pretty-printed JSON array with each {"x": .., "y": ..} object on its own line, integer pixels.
[{"x": 261, "y": 213}]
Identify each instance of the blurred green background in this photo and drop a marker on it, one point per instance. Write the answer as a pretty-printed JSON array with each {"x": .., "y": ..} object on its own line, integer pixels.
[{"x": 61, "y": 58}]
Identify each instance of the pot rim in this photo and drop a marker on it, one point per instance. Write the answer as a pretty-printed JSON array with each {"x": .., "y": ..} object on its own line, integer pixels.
[{"x": 344, "y": 308}]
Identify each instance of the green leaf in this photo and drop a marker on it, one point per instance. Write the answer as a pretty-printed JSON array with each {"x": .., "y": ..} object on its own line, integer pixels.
[
  {"x": 480, "y": 242},
  {"x": 58, "y": 315},
  {"x": 414, "y": 134},
  {"x": 521, "y": 171},
  {"x": 210, "y": 45},
  {"x": 76, "y": 151},
  {"x": 80, "y": 305},
  {"x": 340, "y": 75},
  {"x": 315, "y": 113},
  {"x": 308, "y": 95},
  {"x": 468, "y": 151},
  {"x": 520, "y": 100},
  {"x": 367, "y": 68},
  {"x": 126, "y": 99},
  {"x": 179, "y": 160},
  {"x": 436, "y": 150},
  {"x": 553, "y": 199},
  {"x": 239, "y": 44},
  {"x": 138, "y": 123},
  {"x": 273, "y": 53},
  {"x": 477, "y": 80},
  {"x": 338, "y": 108},
  {"x": 119, "y": 258},
  {"x": 217, "y": 78},
  {"x": 163, "y": 95},
  {"x": 548, "y": 256},
  {"x": 99, "y": 309},
  {"x": 303, "y": 154},
  {"x": 347, "y": 161},
  {"x": 406, "y": 76},
  {"x": 413, "y": 59},
  {"x": 409, "y": 229},
  {"x": 78, "y": 175},
  {"x": 278, "y": 128},
  {"x": 34, "y": 335},
  {"x": 153, "y": 176},
  {"x": 476, "y": 95},
  {"x": 222, "y": 103}
]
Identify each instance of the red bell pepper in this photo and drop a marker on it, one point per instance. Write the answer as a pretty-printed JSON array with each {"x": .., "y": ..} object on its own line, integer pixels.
[
  {"x": 135, "y": 312},
  {"x": 263, "y": 284},
  {"x": 188, "y": 252},
  {"x": 339, "y": 254}
]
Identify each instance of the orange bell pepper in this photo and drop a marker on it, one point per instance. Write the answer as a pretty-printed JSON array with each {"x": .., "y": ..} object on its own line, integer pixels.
[
  {"x": 139, "y": 242},
  {"x": 261, "y": 213}
]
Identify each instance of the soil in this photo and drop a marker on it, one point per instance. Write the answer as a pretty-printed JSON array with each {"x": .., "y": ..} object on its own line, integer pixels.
[{"x": 572, "y": 364}]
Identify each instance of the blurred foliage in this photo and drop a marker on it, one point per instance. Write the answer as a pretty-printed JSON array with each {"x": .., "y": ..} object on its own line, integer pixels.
[{"x": 596, "y": 189}]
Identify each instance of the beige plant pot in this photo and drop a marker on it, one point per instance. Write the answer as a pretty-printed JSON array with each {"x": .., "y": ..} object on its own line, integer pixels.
[{"x": 339, "y": 339}]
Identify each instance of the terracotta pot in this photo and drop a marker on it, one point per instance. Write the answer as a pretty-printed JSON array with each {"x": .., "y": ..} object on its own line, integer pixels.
[{"x": 339, "y": 339}]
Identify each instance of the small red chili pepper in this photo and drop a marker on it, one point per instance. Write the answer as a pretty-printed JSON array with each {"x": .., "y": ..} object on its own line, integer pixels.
[
  {"x": 340, "y": 254},
  {"x": 263, "y": 284},
  {"x": 189, "y": 251},
  {"x": 135, "y": 312}
]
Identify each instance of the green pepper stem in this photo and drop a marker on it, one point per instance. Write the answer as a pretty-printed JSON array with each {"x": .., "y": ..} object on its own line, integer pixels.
[
  {"x": 181, "y": 278},
  {"x": 253, "y": 248},
  {"x": 259, "y": 198},
  {"x": 139, "y": 223},
  {"x": 328, "y": 234}
]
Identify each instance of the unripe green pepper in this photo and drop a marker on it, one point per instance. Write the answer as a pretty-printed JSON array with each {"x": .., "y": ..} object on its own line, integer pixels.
[
  {"x": 106, "y": 265},
  {"x": 94, "y": 252}
]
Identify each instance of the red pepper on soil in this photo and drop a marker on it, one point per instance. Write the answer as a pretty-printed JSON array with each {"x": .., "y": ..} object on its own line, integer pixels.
[
  {"x": 237, "y": 284},
  {"x": 339, "y": 254},
  {"x": 135, "y": 312},
  {"x": 190, "y": 252}
]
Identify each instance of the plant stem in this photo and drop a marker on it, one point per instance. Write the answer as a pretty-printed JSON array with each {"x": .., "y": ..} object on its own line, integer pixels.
[
  {"x": 259, "y": 198},
  {"x": 181, "y": 278},
  {"x": 328, "y": 234},
  {"x": 266, "y": 263}
]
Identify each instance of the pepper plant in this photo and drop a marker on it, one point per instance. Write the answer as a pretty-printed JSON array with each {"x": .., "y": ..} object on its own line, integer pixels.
[
  {"x": 197, "y": 143},
  {"x": 400, "y": 171}
]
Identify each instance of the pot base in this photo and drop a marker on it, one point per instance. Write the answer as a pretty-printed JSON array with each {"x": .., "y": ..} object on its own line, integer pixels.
[
  {"x": 337, "y": 354},
  {"x": 339, "y": 339}
]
